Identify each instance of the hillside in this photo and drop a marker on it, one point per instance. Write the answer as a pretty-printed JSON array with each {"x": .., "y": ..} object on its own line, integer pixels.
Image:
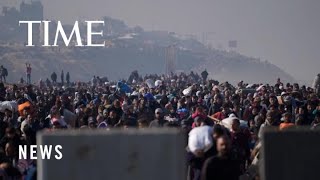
[{"x": 129, "y": 49}]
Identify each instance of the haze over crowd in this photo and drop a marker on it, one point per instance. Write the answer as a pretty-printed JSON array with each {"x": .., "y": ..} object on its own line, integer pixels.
[{"x": 282, "y": 32}]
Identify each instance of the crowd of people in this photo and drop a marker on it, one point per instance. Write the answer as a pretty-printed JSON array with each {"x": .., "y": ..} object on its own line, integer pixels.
[{"x": 223, "y": 122}]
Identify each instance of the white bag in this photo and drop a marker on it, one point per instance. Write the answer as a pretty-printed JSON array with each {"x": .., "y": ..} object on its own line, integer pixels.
[
  {"x": 188, "y": 91},
  {"x": 260, "y": 87},
  {"x": 200, "y": 138},
  {"x": 150, "y": 83},
  {"x": 227, "y": 122},
  {"x": 10, "y": 105},
  {"x": 158, "y": 83}
]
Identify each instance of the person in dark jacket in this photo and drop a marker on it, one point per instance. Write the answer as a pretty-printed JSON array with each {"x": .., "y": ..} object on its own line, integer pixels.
[
  {"x": 116, "y": 107},
  {"x": 112, "y": 120},
  {"x": 3, "y": 73},
  {"x": 240, "y": 143},
  {"x": 68, "y": 78},
  {"x": 222, "y": 166},
  {"x": 216, "y": 105},
  {"x": 204, "y": 75},
  {"x": 62, "y": 77},
  {"x": 10, "y": 136},
  {"x": 159, "y": 121},
  {"x": 54, "y": 77}
]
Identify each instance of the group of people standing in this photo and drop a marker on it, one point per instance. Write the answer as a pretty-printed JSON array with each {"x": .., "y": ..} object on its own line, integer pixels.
[
  {"x": 64, "y": 78},
  {"x": 4, "y": 74}
]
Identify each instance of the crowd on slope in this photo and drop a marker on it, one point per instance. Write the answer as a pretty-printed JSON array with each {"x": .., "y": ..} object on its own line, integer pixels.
[{"x": 223, "y": 122}]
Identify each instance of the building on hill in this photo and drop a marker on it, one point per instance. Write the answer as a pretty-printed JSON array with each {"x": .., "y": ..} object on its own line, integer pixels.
[
  {"x": 10, "y": 16},
  {"x": 32, "y": 11}
]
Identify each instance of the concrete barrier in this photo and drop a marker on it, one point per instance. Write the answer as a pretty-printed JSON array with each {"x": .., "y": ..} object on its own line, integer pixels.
[
  {"x": 290, "y": 155},
  {"x": 150, "y": 154}
]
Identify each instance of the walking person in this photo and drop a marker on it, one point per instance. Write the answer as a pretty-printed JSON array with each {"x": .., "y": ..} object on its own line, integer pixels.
[
  {"x": 68, "y": 78},
  {"x": 3, "y": 74},
  {"x": 222, "y": 166},
  {"x": 204, "y": 75},
  {"x": 29, "y": 69},
  {"x": 62, "y": 78},
  {"x": 54, "y": 77}
]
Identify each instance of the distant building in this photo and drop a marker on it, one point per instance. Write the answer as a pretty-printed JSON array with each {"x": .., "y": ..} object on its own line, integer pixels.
[
  {"x": 9, "y": 22},
  {"x": 32, "y": 11}
]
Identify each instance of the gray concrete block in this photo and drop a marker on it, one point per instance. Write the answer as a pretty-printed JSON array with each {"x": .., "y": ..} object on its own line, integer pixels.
[
  {"x": 290, "y": 155},
  {"x": 150, "y": 154}
]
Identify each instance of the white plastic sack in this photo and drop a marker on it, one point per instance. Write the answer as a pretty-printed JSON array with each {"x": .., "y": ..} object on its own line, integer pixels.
[
  {"x": 227, "y": 122},
  {"x": 170, "y": 119},
  {"x": 10, "y": 105},
  {"x": 260, "y": 87},
  {"x": 134, "y": 93},
  {"x": 150, "y": 83},
  {"x": 249, "y": 85},
  {"x": 188, "y": 91},
  {"x": 158, "y": 83},
  {"x": 200, "y": 138}
]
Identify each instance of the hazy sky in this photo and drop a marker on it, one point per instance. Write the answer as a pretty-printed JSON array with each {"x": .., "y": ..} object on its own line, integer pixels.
[{"x": 284, "y": 32}]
